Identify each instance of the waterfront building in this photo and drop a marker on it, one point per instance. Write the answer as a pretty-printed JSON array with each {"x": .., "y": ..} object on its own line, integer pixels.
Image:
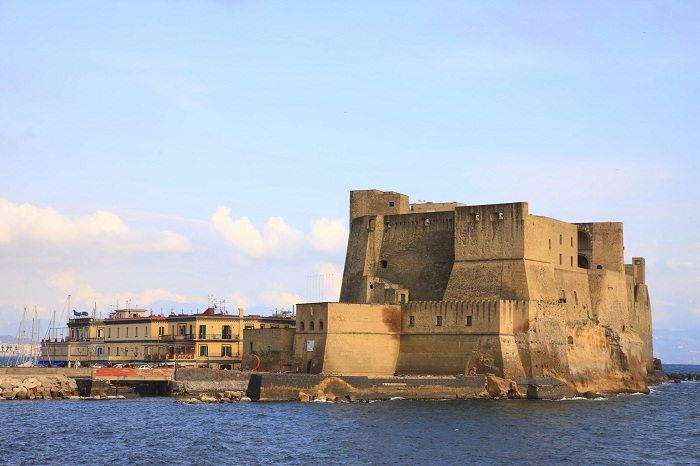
[{"x": 213, "y": 338}]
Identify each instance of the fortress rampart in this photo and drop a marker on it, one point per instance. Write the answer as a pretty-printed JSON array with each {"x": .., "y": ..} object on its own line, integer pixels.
[{"x": 488, "y": 289}]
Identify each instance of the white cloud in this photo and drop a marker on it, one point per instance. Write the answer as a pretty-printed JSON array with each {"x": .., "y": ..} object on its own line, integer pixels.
[
  {"x": 276, "y": 238},
  {"x": 102, "y": 230},
  {"x": 280, "y": 299}
]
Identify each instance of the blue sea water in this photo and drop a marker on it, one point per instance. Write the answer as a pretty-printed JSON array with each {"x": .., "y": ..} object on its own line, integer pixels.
[{"x": 662, "y": 427}]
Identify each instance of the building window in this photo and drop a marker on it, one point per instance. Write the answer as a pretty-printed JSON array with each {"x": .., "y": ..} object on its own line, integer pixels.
[
  {"x": 469, "y": 321},
  {"x": 301, "y": 326},
  {"x": 117, "y": 351},
  {"x": 226, "y": 351},
  {"x": 109, "y": 333},
  {"x": 226, "y": 332},
  {"x": 262, "y": 325},
  {"x": 572, "y": 241},
  {"x": 100, "y": 351},
  {"x": 202, "y": 331},
  {"x": 311, "y": 325},
  {"x": 384, "y": 264},
  {"x": 127, "y": 332},
  {"x": 438, "y": 321},
  {"x": 391, "y": 203},
  {"x": 411, "y": 321},
  {"x": 137, "y": 331},
  {"x": 572, "y": 261},
  {"x": 145, "y": 330},
  {"x": 403, "y": 298},
  {"x": 204, "y": 350},
  {"x": 117, "y": 332},
  {"x": 550, "y": 244},
  {"x": 560, "y": 239},
  {"x": 100, "y": 333},
  {"x": 559, "y": 259},
  {"x": 109, "y": 351},
  {"x": 161, "y": 331}
]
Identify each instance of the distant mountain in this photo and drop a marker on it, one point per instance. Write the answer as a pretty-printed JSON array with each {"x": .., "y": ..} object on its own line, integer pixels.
[{"x": 677, "y": 346}]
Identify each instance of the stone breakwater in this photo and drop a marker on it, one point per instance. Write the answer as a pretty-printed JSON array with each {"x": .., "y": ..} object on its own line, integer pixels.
[{"x": 37, "y": 387}]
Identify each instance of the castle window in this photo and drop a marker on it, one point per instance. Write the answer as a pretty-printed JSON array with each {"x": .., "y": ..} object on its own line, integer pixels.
[
  {"x": 137, "y": 331},
  {"x": 559, "y": 259},
  {"x": 550, "y": 244},
  {"x": 320, "y": 325},
  {"x": 384, "y": 264},
  {"x": 599, "y": 267},
  {"x": 438, "y": 321},
  {"x": 572, "y": 261},
  {"x": 582, "y": 239},
  {"x": 575, "y": 298},
  {"x": 391, "y": 203},
  {"x": 570, "y": 340},
  {"x": 301, "y": 326},
  {"x": 582, "y": 262},
  {"x": 469, "y": 321},
  {"x": 371, "y": 286},
  {"x": 426, "y": 222},
  {"x": 638, "y": 262},
  {"x": 411, "y": 321},
  {"x": 572, "y": 241},
  {"x": 311, "y": 325},
  {"x": 560, "y": 239},
  {"x": 370, "y": 223}
]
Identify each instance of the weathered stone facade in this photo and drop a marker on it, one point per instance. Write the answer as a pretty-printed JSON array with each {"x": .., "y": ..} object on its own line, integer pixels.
[{"x": 478, "y": 290}]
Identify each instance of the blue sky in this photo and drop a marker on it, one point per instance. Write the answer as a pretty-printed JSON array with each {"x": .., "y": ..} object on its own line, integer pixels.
[{"x": 170, "y": 150}]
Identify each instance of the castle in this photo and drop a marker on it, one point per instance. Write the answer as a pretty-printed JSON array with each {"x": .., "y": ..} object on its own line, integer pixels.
[{"x": 454, "y": 289}]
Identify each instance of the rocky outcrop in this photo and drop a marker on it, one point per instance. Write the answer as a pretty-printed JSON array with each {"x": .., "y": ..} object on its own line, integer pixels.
[
  {"x": 33, "y": 387},
  {"x": 228, "y": 396}
]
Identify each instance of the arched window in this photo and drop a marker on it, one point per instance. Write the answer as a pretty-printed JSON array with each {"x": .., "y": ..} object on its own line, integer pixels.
[
  {"x": 311, "y": 325},
  {"x": 583, "y": 262},
  {"x": 301, "y": 326},
  {"x": 320, "y": 325},
  {"x": 583, "y": 240}
]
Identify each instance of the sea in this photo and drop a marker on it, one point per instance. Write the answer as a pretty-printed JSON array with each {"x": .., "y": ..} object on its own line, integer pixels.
[{"x": 662, "y": 427}]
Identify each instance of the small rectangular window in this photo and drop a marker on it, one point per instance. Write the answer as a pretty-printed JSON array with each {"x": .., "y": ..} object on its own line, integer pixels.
[
  {"x": 137, "y": 332},
  {"x": 469, "y": 321},
  {"x": 384, "y": 264},
  {"x": 560, "y": 239},
  {"x": 411, "y": 321},
  {"x": 391, "y": 203},
  {"x": 438, "y": 321},
  {"x": 559, "y": 259}
]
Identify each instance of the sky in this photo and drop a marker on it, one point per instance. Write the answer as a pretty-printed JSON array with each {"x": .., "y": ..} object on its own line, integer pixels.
[{"x": 155, "y": 154}]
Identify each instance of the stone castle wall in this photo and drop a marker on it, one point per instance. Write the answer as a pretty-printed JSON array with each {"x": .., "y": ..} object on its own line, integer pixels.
[{"x": 545, "y": 297}]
